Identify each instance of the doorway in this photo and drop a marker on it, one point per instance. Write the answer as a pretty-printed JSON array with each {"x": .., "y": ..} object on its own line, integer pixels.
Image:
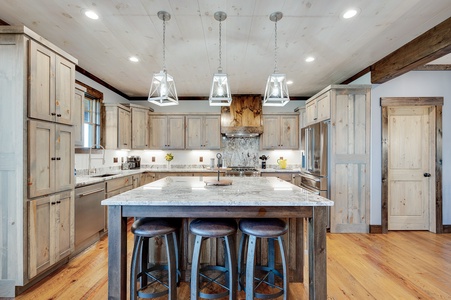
[{"x": 411, "y": 163}]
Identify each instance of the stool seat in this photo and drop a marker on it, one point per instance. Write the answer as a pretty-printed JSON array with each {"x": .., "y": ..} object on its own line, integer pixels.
[
  {"x": 150, "y": 227},
  {"x": 263, "y": 227},
  {"x": 213, "y": 228}
]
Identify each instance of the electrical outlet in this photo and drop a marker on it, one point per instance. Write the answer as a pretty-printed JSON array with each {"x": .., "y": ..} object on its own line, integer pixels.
[
  {"x": 153, "y": 158},
  {"x": 201, "y": 159},
  {"x": 115, "y": 159}
]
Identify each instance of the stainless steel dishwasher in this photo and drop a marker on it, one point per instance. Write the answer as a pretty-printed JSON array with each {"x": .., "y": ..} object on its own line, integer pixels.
[{"x": 89, "y": 212}]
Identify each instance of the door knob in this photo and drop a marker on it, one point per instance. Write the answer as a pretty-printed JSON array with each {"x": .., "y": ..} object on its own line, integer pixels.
[{"x": 427, "y": 175}]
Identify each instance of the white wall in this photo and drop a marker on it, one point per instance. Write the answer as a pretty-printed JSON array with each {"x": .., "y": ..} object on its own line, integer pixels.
[
  {"x": 108, "y": 95},
  {"x": 414, "y": 84}
]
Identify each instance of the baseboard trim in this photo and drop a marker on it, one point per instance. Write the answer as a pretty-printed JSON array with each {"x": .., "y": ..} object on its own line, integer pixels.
[
  {"x": 446, "y": 228},
  {"x": 375, "y": 228}
]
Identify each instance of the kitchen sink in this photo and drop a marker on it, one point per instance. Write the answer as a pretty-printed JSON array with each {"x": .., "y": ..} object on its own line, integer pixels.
[{"x": 104, "y": 175}]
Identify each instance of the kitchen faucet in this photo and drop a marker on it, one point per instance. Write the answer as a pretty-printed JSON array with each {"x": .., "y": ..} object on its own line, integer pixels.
[{"x": 103, "y": 156}]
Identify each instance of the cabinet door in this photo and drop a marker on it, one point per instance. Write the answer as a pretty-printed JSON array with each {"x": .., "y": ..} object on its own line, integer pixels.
[
  {"x": 41, "y": 158},
  {"x": 41, "y": 103},
  {"x": 64, "y": 90},
  {"x": 64, "y": 153},
  {"x": 158, "y": 134},
  {"x": 79, "y": 98},
  {"x": 124, "y": 129},
  {"x": 139, "y": 125},
  {"x": 63, "y": 218},
  {"x": 289, "y": 132},
  {"x": 271, "y": 132},
  {"x": 311, "y": 112},
  {"x": 176, "y": 132},
  {"x": 212, "y": 132},
  {"x": 39, "y": 237},
  {"x": 194, "y": 132},
  {"x": 323, "y": 107}
]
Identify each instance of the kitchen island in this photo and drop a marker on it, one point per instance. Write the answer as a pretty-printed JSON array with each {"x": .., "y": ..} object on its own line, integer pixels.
[{"x": 190, "y": 197}]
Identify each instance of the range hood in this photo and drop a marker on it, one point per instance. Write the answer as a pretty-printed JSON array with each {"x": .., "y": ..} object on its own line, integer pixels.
[{"x": 243, "y": 117}]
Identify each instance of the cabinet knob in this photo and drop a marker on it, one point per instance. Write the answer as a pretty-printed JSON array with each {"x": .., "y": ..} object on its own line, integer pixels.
[
  {"x": 427, "y": 174},
  {"x": 53, "y": 114}
]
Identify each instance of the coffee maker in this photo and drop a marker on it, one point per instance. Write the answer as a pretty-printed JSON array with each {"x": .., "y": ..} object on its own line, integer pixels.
[{"x": 134, "y": 162}]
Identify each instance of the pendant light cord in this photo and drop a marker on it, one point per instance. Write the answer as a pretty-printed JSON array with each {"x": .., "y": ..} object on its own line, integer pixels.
[
  {"x": 164, "y": 44},
  {"x": 275, "y": 46},
  {"x": 220, "y": 46}
]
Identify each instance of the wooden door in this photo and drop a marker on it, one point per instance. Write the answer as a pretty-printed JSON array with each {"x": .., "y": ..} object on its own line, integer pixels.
[
  {"x": 124, "y": 129},
  {"x": 289, "y": 132},
  {"x": 409, "y": 159},
  {"x": 41, "y": 158},
  {"x": 64, "y": 153},
  {"x": 193, "y": 132},
  {"x": 41, "y": 103},
  {"x": 63, "y": 225},
  {"x": 176, "y": 132},
  {"x": 139, "y": 128},
  {"x": 271, "y": 132},
  {"x": 158, "y": 127},
  {"x": 212, "y": 132},
  {"x": 64, "y": 90}
]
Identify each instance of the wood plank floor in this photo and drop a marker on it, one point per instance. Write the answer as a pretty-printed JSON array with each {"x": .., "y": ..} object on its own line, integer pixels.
[{"x": 398, "y": 265}]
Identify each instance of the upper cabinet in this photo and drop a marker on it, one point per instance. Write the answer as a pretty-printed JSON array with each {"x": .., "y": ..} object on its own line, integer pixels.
[
  {"x": 317, "y": 109},
  {"x": 116, "y": 129},
  {"x": 167, "y": 131},
  {"x": 203, "y": 132},
  {"x": 79, "y": 99},
  {"x": 281, "y": 131},
  {"x": 139, "y": 127},
  {"x": 52, "y": 84}
]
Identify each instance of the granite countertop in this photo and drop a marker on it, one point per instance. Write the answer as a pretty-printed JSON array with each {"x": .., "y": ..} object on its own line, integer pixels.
[{"x": 244, "y": 191}]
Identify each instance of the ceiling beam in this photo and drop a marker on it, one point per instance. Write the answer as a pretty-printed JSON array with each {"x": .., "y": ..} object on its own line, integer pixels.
[
  {"x": 427, "y": 47},
  {"x": 434, "y": 68},
  {"x": 3, "y": 22}
]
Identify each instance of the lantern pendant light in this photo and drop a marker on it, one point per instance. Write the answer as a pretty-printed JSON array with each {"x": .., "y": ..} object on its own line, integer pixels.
[
  {"x": 276, "y": 92},
  {"x": 220, "y": 89},
  {"x": 162, "y": 89}
]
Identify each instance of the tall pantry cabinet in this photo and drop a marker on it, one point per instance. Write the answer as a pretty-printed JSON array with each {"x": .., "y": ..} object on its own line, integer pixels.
[{"x": 36, "y": 158}]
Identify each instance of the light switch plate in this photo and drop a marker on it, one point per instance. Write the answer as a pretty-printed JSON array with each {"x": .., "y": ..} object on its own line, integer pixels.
[{"x": 153, "y": 158}]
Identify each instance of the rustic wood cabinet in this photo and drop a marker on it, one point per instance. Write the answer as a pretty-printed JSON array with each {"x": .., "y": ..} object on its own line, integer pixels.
[
  {"x": 139, "y": 126},
  {"x": 167, "y": 132},
  {"x": 147, "y": 177},
  {"x": 52, "y": 84},
  {"x": 79, "y": 99},
  {"x": 51, "y": 158},
  {"x": 203, "y": 132},
  {"x": 317, "y": 108},
  {"x": 281, "y": 131},
  {"x": 50, "y": 233},
  {"x": 116, "y": 126}
]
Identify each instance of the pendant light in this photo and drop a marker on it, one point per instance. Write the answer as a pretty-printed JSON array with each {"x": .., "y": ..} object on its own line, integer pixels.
[
  {"x": 162, "y": 89},
  {"x": 220, "y": 89},
  {"x": 276, "y": 92}
]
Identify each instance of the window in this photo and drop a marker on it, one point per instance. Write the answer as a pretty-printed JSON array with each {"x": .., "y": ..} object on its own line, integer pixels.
[{"x": 91, "y": 123}]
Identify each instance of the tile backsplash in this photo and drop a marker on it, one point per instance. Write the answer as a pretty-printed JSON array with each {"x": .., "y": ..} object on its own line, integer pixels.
[{"x": 241, "y": 151}]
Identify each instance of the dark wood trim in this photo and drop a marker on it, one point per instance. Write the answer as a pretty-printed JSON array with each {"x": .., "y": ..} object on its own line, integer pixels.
[
  {"x": 433, "y": 68},
  {"x": 201, "y": 98},
  {"x": 357, "y": 76},
  {"x": 433, "y": 44},
  {"x": 3, "y": 23},
  {"x": 400, "y": 101},
  {"x": 91, "y": 91},
  {"x": 100, "y": 81},
  {"x": 446, "y": 229},
  {"x": 375, "y": 228}
]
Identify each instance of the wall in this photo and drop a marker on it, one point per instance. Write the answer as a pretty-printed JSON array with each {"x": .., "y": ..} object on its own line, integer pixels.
[{"x": 415, "y": 84}]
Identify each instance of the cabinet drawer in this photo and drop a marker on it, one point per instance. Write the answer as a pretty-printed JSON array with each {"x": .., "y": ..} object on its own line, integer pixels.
[{"x": 118, "y": 183}]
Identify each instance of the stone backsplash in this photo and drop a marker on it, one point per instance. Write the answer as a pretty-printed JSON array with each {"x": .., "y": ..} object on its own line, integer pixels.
[{"x": 239, "y": 151}]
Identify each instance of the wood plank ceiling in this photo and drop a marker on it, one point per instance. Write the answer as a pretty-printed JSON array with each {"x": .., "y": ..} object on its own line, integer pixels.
[{"x": 341, "y": 47}]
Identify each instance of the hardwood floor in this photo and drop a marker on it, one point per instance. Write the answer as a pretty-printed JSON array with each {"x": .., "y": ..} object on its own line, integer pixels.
[{"x": 398, "y": 265}]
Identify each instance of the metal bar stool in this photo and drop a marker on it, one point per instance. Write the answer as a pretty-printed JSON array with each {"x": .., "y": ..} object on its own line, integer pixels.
[
  {"x": 214, "y": 228},
  {"x": 270, "y": 229},
  {"x": 144, "y": 229}
]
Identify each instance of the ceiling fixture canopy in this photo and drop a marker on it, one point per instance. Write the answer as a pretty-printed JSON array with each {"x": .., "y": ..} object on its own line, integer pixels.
[
  {"x": 220, "y": 90},
  {"x": 162, "y": 89},
  {"x": 276, "y": 92}
]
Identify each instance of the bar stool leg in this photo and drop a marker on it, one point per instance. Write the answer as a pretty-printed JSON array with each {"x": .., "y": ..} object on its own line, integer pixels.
[
  {"x": 250, "y": 266},
  {"x": 241, "y": 254},
  {"x": 271, "y": 260},
  {"x": 285, "y": 267},
  {"x": 172, "y": 269},
  {"x": 231, "y": 259},
  {"x": 195, "y": 268},
  {"x": 133, "y": 271}
]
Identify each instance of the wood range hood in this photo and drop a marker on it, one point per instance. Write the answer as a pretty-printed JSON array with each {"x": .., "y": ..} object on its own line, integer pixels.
[{"x": 243, "y": 117}]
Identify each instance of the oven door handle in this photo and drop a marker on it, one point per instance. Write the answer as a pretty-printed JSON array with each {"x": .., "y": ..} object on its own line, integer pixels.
[{"x": 310, "y": 189}]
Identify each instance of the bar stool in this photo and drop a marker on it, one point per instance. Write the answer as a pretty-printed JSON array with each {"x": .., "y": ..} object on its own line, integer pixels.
[
  {"x": 144, "y": 229},
  {"x": 214, "y": 228},
  {"x": 270, "y": 229}
]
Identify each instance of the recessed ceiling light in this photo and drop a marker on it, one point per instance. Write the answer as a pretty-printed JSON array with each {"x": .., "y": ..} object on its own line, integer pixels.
[
  {"x": 310, "y": 59},
  {"x": 290, "y": 82},
  {"x": 91, "y": 14},
  {"x": 133, "y": 59},
  {"x": 350, "y": 13}
]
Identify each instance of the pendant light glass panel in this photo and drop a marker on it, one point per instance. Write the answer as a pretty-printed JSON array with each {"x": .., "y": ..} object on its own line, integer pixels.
[
  {"x": 162, "y": 89},
  {"x": 220, "y": 89},
  {"x": 276, "y": 91}
]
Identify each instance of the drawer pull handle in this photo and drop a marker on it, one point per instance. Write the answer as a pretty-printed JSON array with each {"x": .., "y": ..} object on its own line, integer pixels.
[{"x": 91, "y": 192}]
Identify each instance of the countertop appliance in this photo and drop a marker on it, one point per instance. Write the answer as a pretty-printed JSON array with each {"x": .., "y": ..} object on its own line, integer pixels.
[
  {"x": 134, "y": 162},
  {"x": 242, "y": 171},
  {"x": 89, "y": 212}
]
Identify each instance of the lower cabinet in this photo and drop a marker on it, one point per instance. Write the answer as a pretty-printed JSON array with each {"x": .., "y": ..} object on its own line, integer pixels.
[
  {"x": 114, "y": 187},
  {"x": 147, "y": 177},
  {"x": 287, "y": 176},
  {"x": 50, "y": 231}
]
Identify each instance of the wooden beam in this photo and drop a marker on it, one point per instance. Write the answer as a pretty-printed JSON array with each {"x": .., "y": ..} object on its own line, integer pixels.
[
  {"x": 429, "y": 46},
  {"x": 3, "y": 23},
  {"x": 433, "y": 68}
]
